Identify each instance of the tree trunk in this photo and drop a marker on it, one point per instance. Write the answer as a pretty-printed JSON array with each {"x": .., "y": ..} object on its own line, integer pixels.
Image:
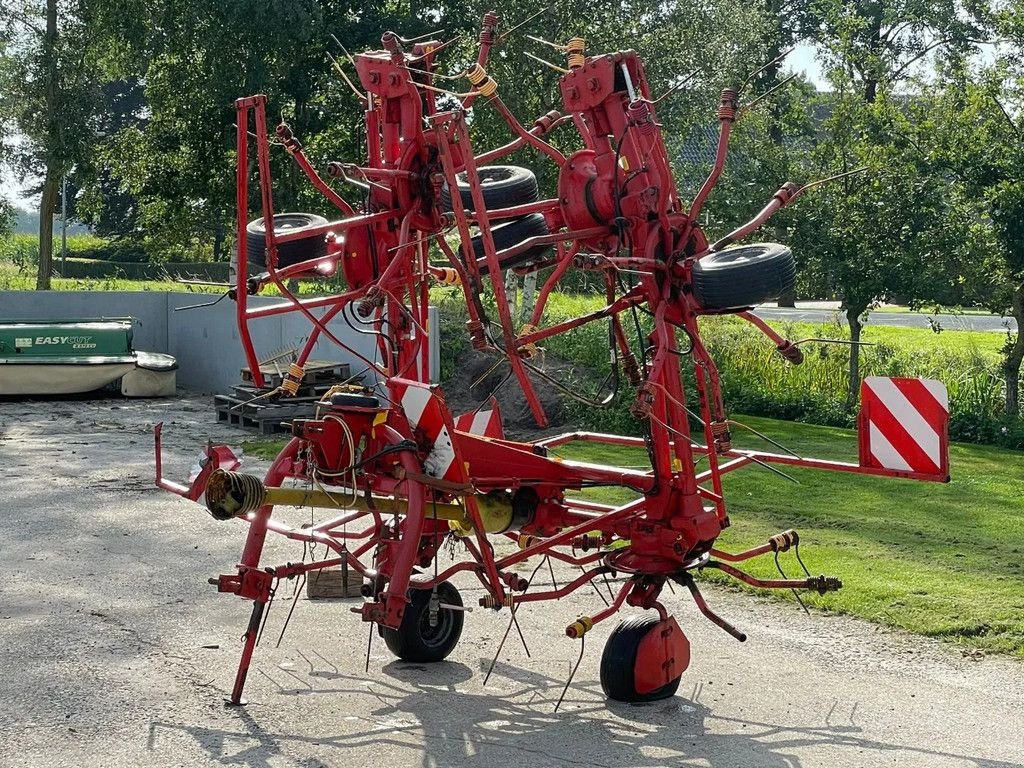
[
  {"x": 48, "y": 203},
  {"x": 1014, "y": 356},
  {"x": 853, "y": 383},
  {"x": 870, "y": 91},
  {"x": 875, "y": 14},
  {"x": 47, "y": 207}
]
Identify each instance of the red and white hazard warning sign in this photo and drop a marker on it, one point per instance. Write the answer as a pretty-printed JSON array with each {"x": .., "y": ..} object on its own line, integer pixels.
[
  {"x": 485, "y": 422},
  {"x": 428, "y": 416},
  {"x": 904, "y": 426}
]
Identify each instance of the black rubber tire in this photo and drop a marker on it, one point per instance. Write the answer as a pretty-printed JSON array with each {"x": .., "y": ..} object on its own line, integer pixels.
[
  {"x": 415, "y": 640},
  {"x": 743, "y": 276},
  {"x": 292, "y": 252},
  {"x": 512, "y": 233},
  {"x": 503, "y": 186},
  {"x": 354, "y": 400},
  {"x": 618, "y": 679}
]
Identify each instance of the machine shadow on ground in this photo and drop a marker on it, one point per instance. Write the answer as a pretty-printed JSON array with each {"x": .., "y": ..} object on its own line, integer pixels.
[{"x": 426, "y": 709}]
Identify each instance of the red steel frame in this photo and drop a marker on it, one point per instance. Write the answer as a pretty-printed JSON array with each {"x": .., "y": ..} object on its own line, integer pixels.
[{"x": 617, "y": 209}]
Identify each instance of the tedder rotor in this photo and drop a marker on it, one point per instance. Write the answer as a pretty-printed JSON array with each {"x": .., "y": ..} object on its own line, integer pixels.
[{"x": 400, "y": 475}]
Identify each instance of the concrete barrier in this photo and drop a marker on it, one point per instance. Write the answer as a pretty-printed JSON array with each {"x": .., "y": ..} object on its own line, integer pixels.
[{"x": 205, "y": 340}]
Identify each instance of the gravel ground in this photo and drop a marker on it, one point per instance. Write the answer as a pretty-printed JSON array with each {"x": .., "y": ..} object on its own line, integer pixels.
[{"x": 114, "y": 651}]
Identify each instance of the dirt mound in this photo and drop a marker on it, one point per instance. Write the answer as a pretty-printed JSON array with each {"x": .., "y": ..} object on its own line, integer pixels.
[{"x": 479, "y": 373}]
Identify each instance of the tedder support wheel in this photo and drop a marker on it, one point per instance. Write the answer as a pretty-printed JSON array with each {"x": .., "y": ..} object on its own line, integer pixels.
[
  {"x": 294, "y": 251},
  {"x": 643, "y": 659},
  {"x": 503, "y": 186},
  {"x": 743, "y": 276},
  {"x": 427, "y": 635},
  {"x": 511, "y": 234}
]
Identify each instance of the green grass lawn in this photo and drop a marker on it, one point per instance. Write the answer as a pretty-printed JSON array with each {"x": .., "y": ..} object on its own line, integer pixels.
[
  {"x": 988, "y": 343},
  {"x": 931, "y": 310},
  {"x": 943, "y": 560},
  {"x": 13, "y": 279}
]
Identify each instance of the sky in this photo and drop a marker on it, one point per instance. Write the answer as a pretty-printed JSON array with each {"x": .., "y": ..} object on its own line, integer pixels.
[
  {"x": 10, "y": 189},
  {"x": 804, "y": 59},
  {"x": 9, "y": 185},
  {"x": 801, "y": 60}
]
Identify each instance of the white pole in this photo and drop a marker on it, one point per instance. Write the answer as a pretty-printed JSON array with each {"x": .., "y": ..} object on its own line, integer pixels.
[
  {"x": 529, "y": 296},
  {"x": 63, "y": 226}
]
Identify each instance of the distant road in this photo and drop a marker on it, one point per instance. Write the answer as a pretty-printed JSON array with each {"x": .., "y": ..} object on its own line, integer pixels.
[{"x": 819, "y": 312}]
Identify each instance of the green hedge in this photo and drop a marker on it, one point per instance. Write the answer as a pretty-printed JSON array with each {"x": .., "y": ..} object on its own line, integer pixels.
[
  {"x": 23, "y": 250},
  {"x": 121, "y": 251},
  {"x": 95, "y": 269}
]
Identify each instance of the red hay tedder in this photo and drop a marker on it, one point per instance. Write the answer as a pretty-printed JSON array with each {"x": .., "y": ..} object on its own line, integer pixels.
[{"x": 402, "y": 475}]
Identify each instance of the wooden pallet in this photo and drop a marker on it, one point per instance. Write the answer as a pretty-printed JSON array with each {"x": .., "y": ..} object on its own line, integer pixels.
[
  {"x": 249, "y": 407},
  {"x": 333, "y": 583},
  {"x": 267, "y": 419},
  {"x": 316, "y": 372},
  {"x": 312, "y": 393}
]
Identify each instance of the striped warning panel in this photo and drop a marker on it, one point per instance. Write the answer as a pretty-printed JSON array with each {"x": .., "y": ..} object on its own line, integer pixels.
[
  {"x": 485, "y": 422},
  {"x": 428, "y": 416},
  {"x": 904, "y": 426}
]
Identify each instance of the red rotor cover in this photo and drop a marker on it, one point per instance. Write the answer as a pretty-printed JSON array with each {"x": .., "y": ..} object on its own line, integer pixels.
[
  {"x": 585, "y": 198},
  {"x": 662, "y": 656}
]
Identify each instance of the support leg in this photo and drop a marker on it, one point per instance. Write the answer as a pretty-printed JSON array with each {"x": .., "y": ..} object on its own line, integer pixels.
[
  {"x": 249, "y": 640},
  {"x": 252, "y": 583}
]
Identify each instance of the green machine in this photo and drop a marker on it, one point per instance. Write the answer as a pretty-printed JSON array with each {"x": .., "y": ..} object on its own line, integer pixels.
[
  {"x": 70, "y": 341},
  {"x": 56, "y": 357}
]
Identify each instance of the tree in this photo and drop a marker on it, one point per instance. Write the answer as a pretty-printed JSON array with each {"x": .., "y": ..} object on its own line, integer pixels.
[
  {"x": 878, "y": 234},
  {"x": 877, "y": 43},
  {"x": 788, "y": 23},
  {"x": 980, "y": 148},
  {"x": 7, "y": 216},
  {"x": 48, "y": 94},
  {"x": 100, "y": 199},
  {"x": 194, "y": 59}
]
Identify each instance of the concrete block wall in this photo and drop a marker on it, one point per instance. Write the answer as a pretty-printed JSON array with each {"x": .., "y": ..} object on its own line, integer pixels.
[{"x": 205, "y": 340}]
